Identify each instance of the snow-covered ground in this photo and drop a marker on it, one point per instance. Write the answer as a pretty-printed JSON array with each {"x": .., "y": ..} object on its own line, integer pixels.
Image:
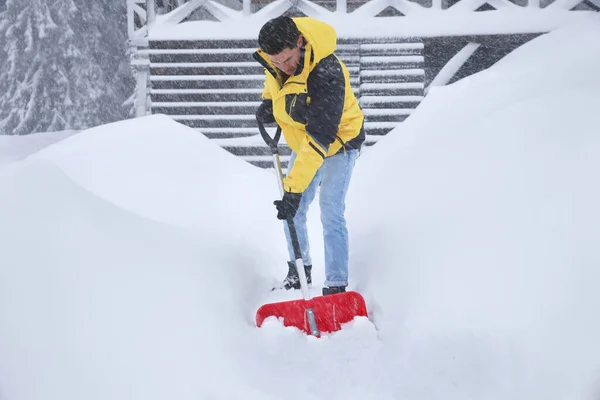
[
  {"x": 15, "y": 148},
  {"x": 134, "y": 255}
]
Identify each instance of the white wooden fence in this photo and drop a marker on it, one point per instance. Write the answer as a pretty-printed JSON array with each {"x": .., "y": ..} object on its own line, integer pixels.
[{"x": 142, "y": 13}]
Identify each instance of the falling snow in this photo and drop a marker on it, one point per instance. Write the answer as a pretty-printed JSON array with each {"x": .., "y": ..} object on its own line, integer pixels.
[{"x": 63, "y": 65}]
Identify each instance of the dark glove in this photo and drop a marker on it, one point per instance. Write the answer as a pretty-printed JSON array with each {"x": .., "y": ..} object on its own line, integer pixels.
[
  {"x": 288, "y": 205},
  {"x": 265, "y": 112}
]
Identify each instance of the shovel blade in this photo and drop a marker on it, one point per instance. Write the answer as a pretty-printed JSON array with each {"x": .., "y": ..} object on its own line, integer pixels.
[{"x": 330, "y": 311}]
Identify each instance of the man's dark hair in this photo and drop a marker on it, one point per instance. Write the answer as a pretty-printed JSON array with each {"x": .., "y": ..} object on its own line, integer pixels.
[{"x": 278, "y": 34}]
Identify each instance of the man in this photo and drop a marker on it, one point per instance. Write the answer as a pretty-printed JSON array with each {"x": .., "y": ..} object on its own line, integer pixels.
[{"x": 308, "y": 93}]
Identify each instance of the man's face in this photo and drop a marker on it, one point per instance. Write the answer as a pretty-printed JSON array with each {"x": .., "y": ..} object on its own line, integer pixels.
[{"x": 288, "y": 59}]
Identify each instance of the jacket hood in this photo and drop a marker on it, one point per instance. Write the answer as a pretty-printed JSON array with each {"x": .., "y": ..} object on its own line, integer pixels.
[{"x": 320, "y": 35}]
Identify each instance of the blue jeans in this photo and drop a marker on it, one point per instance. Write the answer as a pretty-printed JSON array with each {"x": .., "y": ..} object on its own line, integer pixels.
[{"x": 334, "y": 178}]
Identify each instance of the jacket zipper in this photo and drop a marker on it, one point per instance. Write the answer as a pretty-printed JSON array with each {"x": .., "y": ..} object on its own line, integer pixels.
[{"x": 292, "y": 104}]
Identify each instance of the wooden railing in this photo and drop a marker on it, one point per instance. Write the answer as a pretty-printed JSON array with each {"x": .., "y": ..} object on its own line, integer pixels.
[{"x": 142, "y": 13}]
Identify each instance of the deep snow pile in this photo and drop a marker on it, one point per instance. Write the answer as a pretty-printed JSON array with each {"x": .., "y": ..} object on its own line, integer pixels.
[
  {"x": 134, "y": 254},
  {"x": 15, "y": 148},
  {"x": 102, "y": 295},
  {"x": 477, "y": 242}
]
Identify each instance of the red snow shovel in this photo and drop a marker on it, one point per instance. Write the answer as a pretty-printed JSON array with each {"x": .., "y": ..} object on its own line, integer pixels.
[{"x": 321, "y": 313}]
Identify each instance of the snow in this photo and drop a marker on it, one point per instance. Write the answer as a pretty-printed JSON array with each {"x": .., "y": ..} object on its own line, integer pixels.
[
  {"x": 198, "y": 51},
  {"x": 381, "y": 124},
  {"x": 480, "y": 259},
  {"x": 397, "y": 59},
  {"x": 205, "y": 77},
  {"x": 402, "y": 85},
  {"x": 207, "y": 104},
  {"x": 390, "y": 99},
  {"x": 205, "y": 64},
  {"x": 205, "y": 91},
  {"x": 387, "y": 111},
  {"x": 135, "y": 254},
  {"x": 213, "y": 117},
  {"x": 454, "y": 64},
  {"x": 392, "y": 72},
  {"x": 62, "y": 66},
  {"x": 392, "y": 46},
  {"x": 14, "y": 148}
]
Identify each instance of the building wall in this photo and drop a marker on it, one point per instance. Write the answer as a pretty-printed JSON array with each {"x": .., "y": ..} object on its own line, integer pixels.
[{"x": 439, "y": 50}]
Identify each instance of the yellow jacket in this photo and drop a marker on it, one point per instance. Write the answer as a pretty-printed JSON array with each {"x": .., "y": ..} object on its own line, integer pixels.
[{"x": 316, "y": 108}]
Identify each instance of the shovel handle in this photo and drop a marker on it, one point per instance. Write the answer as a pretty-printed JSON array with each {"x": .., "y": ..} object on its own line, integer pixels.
[{"x": 270, "y": 141}]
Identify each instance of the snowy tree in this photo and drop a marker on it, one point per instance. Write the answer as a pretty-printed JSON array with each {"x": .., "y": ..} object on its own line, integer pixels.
[{"x": 62, "y": 65}]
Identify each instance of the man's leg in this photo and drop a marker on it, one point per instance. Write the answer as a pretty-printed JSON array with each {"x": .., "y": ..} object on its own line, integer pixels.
[
  {"x": 300, "y": 218},
  {"x": 336, "y": 174}
]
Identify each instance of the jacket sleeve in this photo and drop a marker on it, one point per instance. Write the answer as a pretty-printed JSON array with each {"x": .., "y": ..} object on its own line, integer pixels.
[
  {"x": 266, "y": 95},
  {"x": 264, "y": 113},
  {"x": 326, "y": 91}
]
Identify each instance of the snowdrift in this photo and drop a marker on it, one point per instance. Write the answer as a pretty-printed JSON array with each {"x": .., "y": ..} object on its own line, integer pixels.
[
  {"x": 134, "y": 254},
  {"x": 164, "y": 171},
  {"x": 475, "y": 228},
  {"x": 123, "y": 248},
  {"x": 16, "y": 148}
]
